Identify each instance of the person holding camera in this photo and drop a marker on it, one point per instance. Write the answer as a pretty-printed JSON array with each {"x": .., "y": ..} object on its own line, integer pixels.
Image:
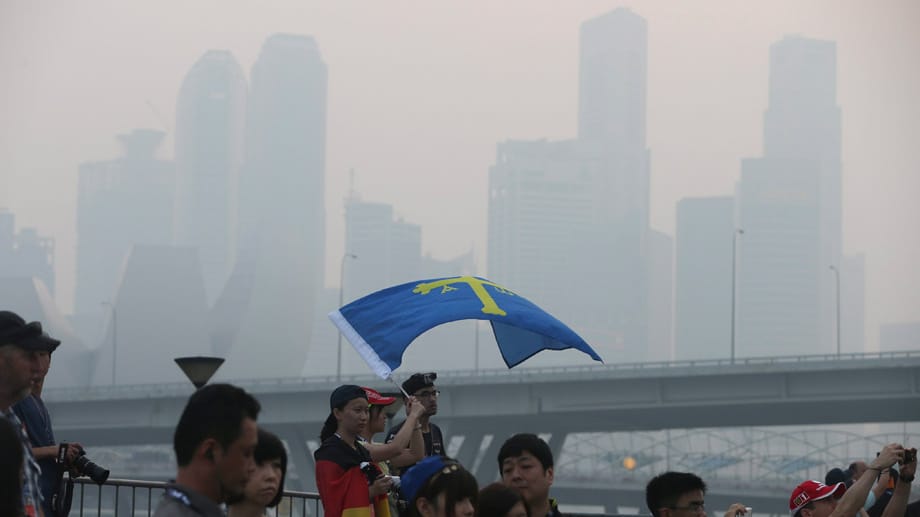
[
  {"x": 815, "y": 499},
  {"x": 897, "y": 504},
  {"x": 347, "y": 479},
  {"x": 20, "y": 348},
  {"x": 51, "y": 457}
]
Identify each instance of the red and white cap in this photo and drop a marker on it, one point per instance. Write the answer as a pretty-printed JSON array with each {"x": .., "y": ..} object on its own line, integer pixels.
[
  {"x": 376, "y": 399},
  {"x": 812, "y": 490}
]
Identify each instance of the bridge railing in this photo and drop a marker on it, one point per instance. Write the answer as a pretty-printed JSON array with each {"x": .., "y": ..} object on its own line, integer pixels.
[
  {"x": 137, "y": 498},
  {"x": 520, "y": 374}
]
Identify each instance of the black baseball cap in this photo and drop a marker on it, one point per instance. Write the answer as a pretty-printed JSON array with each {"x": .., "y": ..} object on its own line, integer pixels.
[
  {"x": 344, "y": 394},
  {"x": 15, "y": 331},
  {"x": 419, "y": 381}
]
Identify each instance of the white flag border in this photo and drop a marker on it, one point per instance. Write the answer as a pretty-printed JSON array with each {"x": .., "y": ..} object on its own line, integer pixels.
[{"x": 361, "y": 346}]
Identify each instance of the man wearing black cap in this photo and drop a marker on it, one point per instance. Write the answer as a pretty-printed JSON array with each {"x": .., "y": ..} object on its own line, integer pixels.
[
  {"x": 20, "y": 365},
  {"x": 421, "y": 386},
  {"x": 34, "y": 416}
]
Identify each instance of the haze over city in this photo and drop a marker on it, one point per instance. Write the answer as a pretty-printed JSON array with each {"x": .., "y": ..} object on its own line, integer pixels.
[{"x": 419, "y": 95}]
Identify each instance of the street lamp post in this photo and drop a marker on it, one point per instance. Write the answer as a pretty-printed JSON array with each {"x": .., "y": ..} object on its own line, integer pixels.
[
  {"x": 338, "y": 364},
  {"x": 837, "y": 274},
  {"x": 735, "y": 234},
  {"x": 114, "y": 337}
]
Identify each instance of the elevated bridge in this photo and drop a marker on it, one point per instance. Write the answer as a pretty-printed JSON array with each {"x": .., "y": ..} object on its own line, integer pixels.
[{"x": 478, "y": 409}]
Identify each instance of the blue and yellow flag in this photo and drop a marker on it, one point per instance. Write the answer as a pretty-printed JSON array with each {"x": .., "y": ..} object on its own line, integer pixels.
[{"x": 382, "y": 325}]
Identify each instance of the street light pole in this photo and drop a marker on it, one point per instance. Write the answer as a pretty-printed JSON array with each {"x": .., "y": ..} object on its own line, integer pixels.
[
  {"x": 837, "y": 274},
  {"x": 735, "y": 234},
  {"x": 338, "y": 364},
  {"x": 114, "y": 338}
]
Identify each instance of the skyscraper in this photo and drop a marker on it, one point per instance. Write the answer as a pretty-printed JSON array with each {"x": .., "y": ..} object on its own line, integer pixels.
[
  {"x": 789, "y": 206},
  {"x": 210, "y": 117},
  {"x": 280, "y": 263},
  {"x": 120, "y": 202},
  {"x": 388, "y": 250},
  {"x": 612, "y": 136},
  {"x": 568, "y": 221},
  {"x": 541, "y": 226},
  {"x": 702, "y": 320}
]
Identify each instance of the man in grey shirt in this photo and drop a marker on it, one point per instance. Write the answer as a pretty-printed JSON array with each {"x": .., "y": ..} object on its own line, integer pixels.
[{"x": 214, "y": 443}]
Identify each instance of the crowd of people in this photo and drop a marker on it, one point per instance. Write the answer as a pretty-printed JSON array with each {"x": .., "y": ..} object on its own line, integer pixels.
[{"x": 228, "y": 465}]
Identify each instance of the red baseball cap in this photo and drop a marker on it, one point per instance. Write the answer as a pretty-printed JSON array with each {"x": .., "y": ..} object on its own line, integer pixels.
[
  {"x": 376, "y": 399},
  {"x": 812, "y": 490}
]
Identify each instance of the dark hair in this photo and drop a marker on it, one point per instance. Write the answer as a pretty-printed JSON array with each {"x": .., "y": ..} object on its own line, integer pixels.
[
  {"x": 340, "y": 397},
  {"x": 456, "y": 484},
  {"x": 496, "y": 500},
  {"x": 215, "y": 411},
  {"x": 665, "y": 489},
  {"x": 525, "y": 442},
  {"x": 270, "y": 448},
  {"x": 11, "y": 456}
]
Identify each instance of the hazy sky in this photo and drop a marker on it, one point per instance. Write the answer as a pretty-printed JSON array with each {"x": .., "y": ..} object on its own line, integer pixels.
[{"x": 421, "y": 91}]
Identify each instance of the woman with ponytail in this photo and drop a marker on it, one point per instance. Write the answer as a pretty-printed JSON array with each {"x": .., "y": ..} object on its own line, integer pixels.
[{"x": 346, "y": 478}]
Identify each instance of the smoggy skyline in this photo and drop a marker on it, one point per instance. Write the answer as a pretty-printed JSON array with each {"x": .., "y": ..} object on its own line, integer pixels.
[{"x": 419, "y": 96}]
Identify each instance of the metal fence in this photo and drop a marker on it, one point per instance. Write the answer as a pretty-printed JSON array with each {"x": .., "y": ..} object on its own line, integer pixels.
[{"x": 136, "y": 498}]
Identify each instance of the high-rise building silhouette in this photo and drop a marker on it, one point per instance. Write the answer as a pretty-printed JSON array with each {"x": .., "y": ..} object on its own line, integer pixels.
[
  {"x": 568, "y": 221},
  {"x": 789, "y": 208},
  {"x": 25, "y": 254},
  {"x": 388, "y": 250},
  {"x": 210, "y": 118},
  {"x": 120, "y": 203},
  {"x": 542, "y": 226},
  {"x": 279, "y": 269},
  {"x": 702, "y": 298}
]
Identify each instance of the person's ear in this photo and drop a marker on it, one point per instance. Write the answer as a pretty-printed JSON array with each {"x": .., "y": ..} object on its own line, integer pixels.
[
  {"x": 549, "y": 475},
  {"x": 207, "y": 448}
]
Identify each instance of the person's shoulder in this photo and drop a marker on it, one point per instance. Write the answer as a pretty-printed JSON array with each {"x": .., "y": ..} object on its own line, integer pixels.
[
  {"x": 24, "y": 406},
  {"x": 393, "y": 430},
  {"x": 329, "y": 449}
]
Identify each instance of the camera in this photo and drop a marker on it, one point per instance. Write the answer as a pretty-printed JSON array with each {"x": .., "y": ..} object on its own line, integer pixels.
[
  {"x": 81, "y": 465},
  {"x": 910, "y": 455}
]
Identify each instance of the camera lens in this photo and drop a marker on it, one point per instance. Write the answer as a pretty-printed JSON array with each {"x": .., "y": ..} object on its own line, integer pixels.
[{"x": 87, "y": 468}]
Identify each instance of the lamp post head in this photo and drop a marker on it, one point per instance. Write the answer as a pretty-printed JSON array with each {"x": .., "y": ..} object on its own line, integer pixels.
[{"x": 199, "y": 369}]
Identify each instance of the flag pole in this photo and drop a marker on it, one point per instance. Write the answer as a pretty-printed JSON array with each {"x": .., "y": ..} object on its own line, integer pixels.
[{"x": 398, "y": 386}]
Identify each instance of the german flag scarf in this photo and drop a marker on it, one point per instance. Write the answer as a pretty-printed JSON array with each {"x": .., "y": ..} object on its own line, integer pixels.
[{"x": 342, "y": 485}]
